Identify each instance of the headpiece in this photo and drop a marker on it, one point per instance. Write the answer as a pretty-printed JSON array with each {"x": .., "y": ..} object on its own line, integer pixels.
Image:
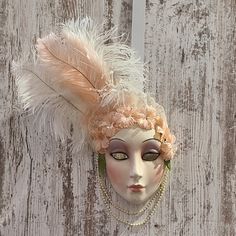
[{"x": 87, "y": 82}]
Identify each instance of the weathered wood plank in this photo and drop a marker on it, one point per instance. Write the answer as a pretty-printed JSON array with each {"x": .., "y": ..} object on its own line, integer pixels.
[
  {"x": 185, "y": 61},
  {"x": 40, "y": 179},
  {"x": 190, "y": 48},
  {"x": 227, "y": 114}
]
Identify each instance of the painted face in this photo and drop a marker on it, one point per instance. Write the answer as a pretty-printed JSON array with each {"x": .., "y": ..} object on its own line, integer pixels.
[{"x": 133, "y": 164}]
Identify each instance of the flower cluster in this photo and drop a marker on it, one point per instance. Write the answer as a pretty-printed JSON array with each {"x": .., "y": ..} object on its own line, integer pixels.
[{"x": 105, "y": 123}]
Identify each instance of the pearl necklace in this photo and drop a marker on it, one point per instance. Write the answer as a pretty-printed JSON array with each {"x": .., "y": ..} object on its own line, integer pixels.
[{"x": 152, "y": 203}]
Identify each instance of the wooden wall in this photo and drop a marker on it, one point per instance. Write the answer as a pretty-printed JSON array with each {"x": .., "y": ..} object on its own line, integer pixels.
[{"x": 190, "y": 49}]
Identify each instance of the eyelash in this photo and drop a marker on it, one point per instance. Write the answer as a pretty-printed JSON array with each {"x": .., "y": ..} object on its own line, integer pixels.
[
  {"x": 112, "y": 154},
  {"x": 144, "y": 159},
  {"x": 156, "y": 154}
]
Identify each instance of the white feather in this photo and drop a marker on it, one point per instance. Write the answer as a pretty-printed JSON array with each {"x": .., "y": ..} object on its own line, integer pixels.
[
  {"x": 50, "y": 108},
  {"x": 111, "y": 68},
  {"x": 127, "y": 72}
]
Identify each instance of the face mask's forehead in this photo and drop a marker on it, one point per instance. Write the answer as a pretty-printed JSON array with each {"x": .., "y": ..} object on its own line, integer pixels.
[{"x": 134, "y": 136}]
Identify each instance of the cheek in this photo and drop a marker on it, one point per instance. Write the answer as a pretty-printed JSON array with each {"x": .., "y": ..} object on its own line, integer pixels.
[
  {"x": 116, "y": 171},
  {"x": 113, "y": 173},
  {"x": 156, "y": 174}
]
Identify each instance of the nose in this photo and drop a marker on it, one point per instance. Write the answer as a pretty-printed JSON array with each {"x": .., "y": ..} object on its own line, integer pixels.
[{"x": 136, "y": 168}]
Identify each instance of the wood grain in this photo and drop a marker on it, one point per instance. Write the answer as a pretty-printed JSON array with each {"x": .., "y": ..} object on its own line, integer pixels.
[{"x": 190, "y": 50}]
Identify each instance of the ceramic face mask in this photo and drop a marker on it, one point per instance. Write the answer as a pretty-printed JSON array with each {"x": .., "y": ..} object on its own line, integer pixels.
[
  {"x": 133, "y": 164},
  {"x": 80, "y": 81}
]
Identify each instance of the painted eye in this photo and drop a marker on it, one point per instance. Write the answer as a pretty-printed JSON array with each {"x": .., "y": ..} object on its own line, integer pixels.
[
  {"x": 119, "y": 156},
  {"x": 150, "y": 156}
]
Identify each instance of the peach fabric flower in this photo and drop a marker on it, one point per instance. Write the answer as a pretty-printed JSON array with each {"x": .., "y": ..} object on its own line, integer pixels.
[{"x": 105, "y": 123}]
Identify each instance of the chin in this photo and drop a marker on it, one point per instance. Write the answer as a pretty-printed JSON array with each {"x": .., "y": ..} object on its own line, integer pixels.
[{"x": 136, "y": 199}]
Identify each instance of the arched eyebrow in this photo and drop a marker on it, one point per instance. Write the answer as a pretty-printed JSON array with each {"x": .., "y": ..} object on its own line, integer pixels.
[
  {"x": 117, "y": 139},
  {"x": 151, "y": 139}
]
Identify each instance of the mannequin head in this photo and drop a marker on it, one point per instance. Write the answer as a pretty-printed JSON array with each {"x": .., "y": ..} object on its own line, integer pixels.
[{"x": 134, "y": 165}]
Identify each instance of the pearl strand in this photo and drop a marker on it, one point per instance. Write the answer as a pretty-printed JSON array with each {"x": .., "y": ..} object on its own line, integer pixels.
[
  {"x": 109, "y": 201},
  {"x": 156, "y": 199}
]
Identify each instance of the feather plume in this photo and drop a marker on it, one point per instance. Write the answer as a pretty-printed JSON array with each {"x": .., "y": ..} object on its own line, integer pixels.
[
  {"x": 51, "y": 109},
  {"x": 126, "y": 70},
  {"x": 75, "y": 72},
  {"x": 74, "y": 68}
]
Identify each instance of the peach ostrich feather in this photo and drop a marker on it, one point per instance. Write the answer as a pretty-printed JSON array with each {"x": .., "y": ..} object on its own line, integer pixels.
[{"x": 79, "y": 80}]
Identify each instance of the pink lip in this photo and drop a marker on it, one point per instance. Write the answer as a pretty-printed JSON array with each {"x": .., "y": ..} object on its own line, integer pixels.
[{"x": 136, "y": 187}]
